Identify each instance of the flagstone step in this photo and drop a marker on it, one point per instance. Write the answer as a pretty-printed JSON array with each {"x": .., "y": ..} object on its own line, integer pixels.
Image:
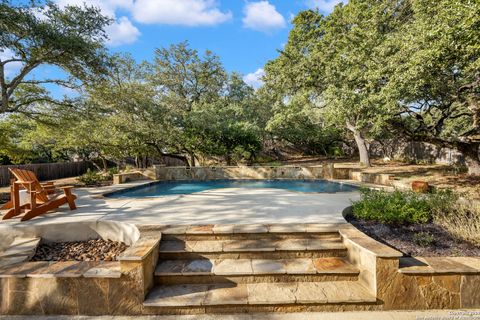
[
  {"x": 256, "y": 248},
  {"x": 251, "y": 236},
  {"x": 258, "y": 297},
  {"x": 254, "y": 270}
]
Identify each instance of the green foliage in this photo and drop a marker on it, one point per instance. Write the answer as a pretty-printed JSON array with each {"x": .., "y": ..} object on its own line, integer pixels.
[
  {"x": 111, "y": 172},
  {"x": 71, "y": 38},
  {"x": 402, "y": 207},
  {"x": 91, "y": 178},
  {"x": 423, "y": 239}
]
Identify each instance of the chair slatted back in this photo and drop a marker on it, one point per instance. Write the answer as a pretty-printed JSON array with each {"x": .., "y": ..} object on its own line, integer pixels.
[{"x": 24, "y": 176}]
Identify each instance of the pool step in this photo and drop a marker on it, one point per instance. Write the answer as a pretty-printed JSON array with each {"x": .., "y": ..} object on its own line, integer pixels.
[
  {"x": 254, "y": 270},
  {"x": 259, "y": 297},
  {"x": 252, "y": 249}
]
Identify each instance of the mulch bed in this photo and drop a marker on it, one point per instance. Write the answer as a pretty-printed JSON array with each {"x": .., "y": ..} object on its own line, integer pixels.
[
  {"x": 406, "y": 239},
  {"x": 91, "y": 250}
]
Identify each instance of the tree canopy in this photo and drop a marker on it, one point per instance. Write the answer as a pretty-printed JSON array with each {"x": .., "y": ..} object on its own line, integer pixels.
[
  {"x": 30, "y": 36},
  {"x": 369, "y": 71}
]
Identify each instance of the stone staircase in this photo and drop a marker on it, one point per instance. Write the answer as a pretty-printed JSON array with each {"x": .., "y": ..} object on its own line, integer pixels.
[{"x": 255, "y": 270}]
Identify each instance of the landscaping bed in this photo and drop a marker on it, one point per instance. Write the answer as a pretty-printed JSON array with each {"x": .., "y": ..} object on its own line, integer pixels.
[
  {"x": 427, "y": 240},
  {"x": 91, "y": 250},
  {"x": 433, "y": 224}
]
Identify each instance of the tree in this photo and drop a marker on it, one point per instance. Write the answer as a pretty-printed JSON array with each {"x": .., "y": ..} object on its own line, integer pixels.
[
  {"x": 184, "y": 79},
  {"x": 30, "y": 36},
  {"x": 433, "y": 76}
]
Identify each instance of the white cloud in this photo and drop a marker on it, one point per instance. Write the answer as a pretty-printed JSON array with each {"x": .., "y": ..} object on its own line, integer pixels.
[
  {"x": 11, "y": 68},
  {"x": 108, "y": 7},
  {"x": 324, "y": 6},
  {"x": 121, "y": 32},
  {"x": 254, "y": 79},
  {"x": 184, "y": 12},
  {"x": 262, "y": 16}
]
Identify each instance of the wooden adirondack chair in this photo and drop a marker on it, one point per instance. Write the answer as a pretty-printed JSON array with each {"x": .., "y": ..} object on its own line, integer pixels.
[{"x": 43, "y": 197}]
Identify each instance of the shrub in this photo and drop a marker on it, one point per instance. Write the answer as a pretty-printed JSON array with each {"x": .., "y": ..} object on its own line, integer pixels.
[
  {"x": 111, "y": 172},
  {"x": 90, "y": 178},
  {"x": 401, "y": 207},
  {"x": 423, "y": 239}
]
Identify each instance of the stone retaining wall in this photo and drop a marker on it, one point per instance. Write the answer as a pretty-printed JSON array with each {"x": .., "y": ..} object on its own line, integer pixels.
[
  {"x": 402, "y": 283},
  {"x": 85, "y": 288},
  {"x": 255, "y": 172}
]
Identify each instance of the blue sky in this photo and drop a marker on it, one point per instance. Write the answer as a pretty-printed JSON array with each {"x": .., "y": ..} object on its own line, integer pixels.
[{"x": 245, "y": 34}]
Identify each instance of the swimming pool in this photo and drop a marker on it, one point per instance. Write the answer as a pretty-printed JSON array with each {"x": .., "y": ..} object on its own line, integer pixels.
[{"x": 164, "y": 188}]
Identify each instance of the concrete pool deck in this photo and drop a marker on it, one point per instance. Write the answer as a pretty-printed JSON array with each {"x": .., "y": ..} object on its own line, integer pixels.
[{"x": 219, "y": 206}]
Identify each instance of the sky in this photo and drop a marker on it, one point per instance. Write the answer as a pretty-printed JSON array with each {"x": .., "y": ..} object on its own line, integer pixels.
[{"x": 245, "y": 34}]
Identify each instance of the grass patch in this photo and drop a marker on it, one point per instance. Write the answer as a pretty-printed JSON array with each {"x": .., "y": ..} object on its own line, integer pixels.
[{"x": 462, "y": 221}]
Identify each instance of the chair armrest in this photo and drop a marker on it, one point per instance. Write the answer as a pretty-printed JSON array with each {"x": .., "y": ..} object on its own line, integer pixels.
[{"x": 66, "y": 187}]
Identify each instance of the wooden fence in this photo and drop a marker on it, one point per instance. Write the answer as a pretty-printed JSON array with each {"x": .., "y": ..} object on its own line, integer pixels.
[{"x": 47, "y": 171}]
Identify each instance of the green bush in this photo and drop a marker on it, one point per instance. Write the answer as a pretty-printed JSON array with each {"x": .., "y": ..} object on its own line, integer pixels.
[
  {"x": 90, "y": 178},
  {"x": 423, "y": 239},
  {"x": 401, "y": 207},
  {"x": 111, "y": 172}
]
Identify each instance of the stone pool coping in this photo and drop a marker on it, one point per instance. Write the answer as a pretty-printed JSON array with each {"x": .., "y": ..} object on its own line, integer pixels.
[{"x": 118, "y": 189}]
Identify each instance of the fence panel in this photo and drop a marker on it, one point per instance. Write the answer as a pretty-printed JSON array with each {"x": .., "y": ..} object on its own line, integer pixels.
[{"x": 46, "y": 171}]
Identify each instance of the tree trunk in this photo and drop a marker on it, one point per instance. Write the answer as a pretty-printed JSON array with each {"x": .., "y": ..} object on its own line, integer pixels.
[
  {"x": 192, "y": 160},
  {"x": 105, "y": 164},
  {"x": 470, "y": 152},
  {"x": 361, "y": 145}
]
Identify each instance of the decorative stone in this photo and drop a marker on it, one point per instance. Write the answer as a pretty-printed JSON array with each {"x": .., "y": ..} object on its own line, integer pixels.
[
  {"x": 333, "y": 265},
  {"x": 177, "y": 295},
  {"x": 291, "y": 245},
  {"x": 175, "y": 246},
  {"x": 233, "y": 267},
  {"x": 470, "y": 295},
  {"x": 250, "y": 228},
  {"x": 322, "y": 244},
  {"x": 287, "y": 228},
  {"x": 226, "y": 294},
  {"x": 104, "y": 270},
  {"x": 223, "y": 228},
  {"x": 266, "y": 266},
  {"x": 198, "y": 267},
  {"x": 247, "y": 245},
  {"x": 299, "y": 266},
  {"x": 205, "y": 229},
  {"x": 310, "y": 292},
  {"x": 206, "y": 246},
  {"x": 21, "y": 270},
  {"x": 170, "y": 267},
  {"x": 271, "y": 293}
]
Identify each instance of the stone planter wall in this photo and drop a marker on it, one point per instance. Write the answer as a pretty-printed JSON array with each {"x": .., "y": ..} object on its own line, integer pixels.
[
  {"x": 404, "y": 283},
  {"x": 85, "y": 288}
]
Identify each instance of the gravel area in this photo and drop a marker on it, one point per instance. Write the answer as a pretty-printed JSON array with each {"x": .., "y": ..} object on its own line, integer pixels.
[
  {"x": 427, "y": 240},
  {"x": 91, "y": 250}
]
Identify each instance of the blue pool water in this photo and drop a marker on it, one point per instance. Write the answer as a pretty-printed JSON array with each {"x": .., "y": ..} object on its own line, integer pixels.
[{"x": 187, "y": 187}]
